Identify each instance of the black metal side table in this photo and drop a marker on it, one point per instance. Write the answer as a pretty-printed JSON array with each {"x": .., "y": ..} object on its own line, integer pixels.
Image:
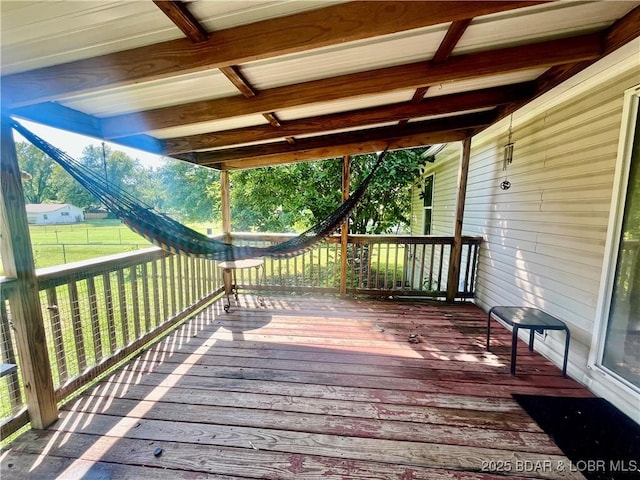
[{"x": 532, "y": 319}]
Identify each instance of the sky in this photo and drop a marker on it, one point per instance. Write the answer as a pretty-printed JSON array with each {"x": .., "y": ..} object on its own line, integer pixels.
[{"x": 73, "y": 144}]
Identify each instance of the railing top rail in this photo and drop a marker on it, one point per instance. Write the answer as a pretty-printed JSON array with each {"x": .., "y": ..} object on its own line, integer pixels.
[
  {"x": 6, "y": 285},
  {"x": 358, "y": 238},
  {"x": 60, "y": 274}
]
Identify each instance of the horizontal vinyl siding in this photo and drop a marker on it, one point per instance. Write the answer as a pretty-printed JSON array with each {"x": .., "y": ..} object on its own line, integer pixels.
[{"x": 544, "y": 238}]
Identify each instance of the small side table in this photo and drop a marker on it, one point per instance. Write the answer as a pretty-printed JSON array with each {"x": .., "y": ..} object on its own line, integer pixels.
[
  {"x": 7, "y": 368},
  {"x": 532, "y": 319},
  {"x": 230, "y": 267}
]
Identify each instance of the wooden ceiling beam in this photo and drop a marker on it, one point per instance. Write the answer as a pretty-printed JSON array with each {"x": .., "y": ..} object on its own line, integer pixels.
[
  {"x": 336, "y": 151},
  {"x": 179, "y": 14},
  {"x": 385, "y": 134},
  {"x": 322, "y": 27},
  {"x": 445, "y": 104},
  {"x": 449, "y": 42},
  {"x": 456, "y": 68}
]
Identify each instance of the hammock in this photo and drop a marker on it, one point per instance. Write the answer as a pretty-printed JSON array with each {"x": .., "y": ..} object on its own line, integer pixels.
[{"x": 174, "y": 237}]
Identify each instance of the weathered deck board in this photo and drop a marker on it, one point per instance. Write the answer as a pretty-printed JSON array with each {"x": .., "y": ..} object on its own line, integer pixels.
[{"x": 310, "y": 387}]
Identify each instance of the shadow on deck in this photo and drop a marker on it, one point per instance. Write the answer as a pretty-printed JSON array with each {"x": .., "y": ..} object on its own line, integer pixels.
[{"x": 309, "y": 387}]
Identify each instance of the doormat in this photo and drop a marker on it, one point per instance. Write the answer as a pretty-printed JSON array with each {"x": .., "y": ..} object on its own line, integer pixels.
[{"x": 600, "y": 441}]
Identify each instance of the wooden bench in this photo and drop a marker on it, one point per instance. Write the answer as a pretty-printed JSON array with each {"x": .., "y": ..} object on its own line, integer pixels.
[{"x": 532, "y": 319}]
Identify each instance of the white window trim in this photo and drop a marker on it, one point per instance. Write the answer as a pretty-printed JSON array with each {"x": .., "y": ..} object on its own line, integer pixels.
[
  {"x": 616, "y": 214},
  {"x": 424, "y": 217}
]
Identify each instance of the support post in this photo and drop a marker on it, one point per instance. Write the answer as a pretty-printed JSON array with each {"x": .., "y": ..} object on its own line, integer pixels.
[
  {"x": 24, "y": 300},
  {"x": 226, "y": 224},
  {"x": 226, "y": 205},
  {"x": 456, "y": 250},
  {"x": 344, "y": 230}
]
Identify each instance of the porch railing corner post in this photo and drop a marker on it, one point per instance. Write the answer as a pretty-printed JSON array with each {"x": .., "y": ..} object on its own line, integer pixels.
[{"x": 24, "y": 299}]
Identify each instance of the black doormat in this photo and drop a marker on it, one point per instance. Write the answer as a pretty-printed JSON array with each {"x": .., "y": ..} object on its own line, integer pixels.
[{"x": 600, "y": 441}]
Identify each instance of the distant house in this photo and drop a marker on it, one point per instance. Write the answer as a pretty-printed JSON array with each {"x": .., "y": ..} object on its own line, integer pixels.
[{"x": 53, "y": 213}]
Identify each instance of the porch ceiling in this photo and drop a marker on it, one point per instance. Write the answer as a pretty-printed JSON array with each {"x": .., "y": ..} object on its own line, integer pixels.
[{"x": 260, "y": 83}]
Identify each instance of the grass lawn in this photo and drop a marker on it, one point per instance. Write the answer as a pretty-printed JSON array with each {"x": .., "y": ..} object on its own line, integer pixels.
[{"x": 59, "y": 244}]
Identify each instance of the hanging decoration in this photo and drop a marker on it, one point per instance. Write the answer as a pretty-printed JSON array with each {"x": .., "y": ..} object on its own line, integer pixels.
[{"x": 508, "y": 157}]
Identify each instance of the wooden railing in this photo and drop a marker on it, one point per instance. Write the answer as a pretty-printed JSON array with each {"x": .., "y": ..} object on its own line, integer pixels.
[
  {"x": 98, "y": 312},
  {"x": 385, "y": 265}
]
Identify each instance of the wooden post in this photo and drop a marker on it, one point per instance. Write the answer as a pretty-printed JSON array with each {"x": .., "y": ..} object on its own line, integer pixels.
[
  {"x": 344, "y": 230},
  {"x": 226, "y": 223},
  {"x": 456, "y": 250},
  {"x": 24, "y": 300},
  {"x": 226, "y": 205}
]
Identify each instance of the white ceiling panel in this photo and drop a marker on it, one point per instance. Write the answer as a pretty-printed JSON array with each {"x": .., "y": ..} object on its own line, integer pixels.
[
  {"x": 484, "y": 82},
  {"x": 40, "y": 34},
  {"x": 542, "y": 22},
  {"x": 218, "y": 15},
  {"x": 350, "y": 57},
  {"x": 345, "y": 105},
  {"x": 206, "y": 85},
  {"x": 45, "y": 33},
  {"x": 206, "y": 127}
]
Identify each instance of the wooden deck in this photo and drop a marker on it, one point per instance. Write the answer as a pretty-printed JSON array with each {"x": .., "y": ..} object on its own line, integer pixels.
[{"x": 309, "y": 387}]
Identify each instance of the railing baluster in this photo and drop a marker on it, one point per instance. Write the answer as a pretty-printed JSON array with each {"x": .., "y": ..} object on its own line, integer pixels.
[
  {"x": 377, "y": 279},
  {"x": 146, "y": 306},
  {"x": 9, "y": 355},
  {"x": 172, "y": 286},
  {"x": 395, "y": 268},
  {"x": 468, "y": 267},
  {"x": 76, "y": 322},
  {"x": 135, "y": 296},
  {"x": 95, "y": 318},
  {"x": 423, "y": 258},
  {"x": 156, "y": 294},
  {"x": 194, "y": 280},
  {"x": 122, "y": 297},
  {"x": 386, "y": 267},
  {"x": 56, "y": 329},
  {"x": 440, "y": 266},
  {"x": 179, "y": 283},
  {"x": 111, "y": 322},
  {"x": 432, "y": 249}
]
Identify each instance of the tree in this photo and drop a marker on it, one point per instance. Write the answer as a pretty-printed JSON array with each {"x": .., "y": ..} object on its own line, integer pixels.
[
  {"x": 192, "y": 193},
  {"x": 294, "y": 197},
  {"x": 39, "y": 188},
  {"x": 118, "y": 168}
]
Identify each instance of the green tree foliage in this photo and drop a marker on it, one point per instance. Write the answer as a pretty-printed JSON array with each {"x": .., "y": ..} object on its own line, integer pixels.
[
  {"x": 294, "y": 197},
  {"x": 192, "y": 193},
  {"x": 118, "y": 168},
  {"x": 40, "y": 167}
]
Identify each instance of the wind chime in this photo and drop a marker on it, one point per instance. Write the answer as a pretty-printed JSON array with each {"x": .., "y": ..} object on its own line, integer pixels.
[{"x": 508, "y": 158}]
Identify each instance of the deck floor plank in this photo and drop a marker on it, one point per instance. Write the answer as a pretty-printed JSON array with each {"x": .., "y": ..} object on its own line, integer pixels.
[{"x": 309, "y": 387}]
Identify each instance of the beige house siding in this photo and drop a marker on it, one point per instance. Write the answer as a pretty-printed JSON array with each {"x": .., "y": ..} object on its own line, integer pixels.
[{"x": 544, "y": 238}]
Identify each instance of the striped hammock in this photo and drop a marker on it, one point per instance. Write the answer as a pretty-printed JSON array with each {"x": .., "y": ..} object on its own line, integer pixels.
[{"x": 174, "y": 237}]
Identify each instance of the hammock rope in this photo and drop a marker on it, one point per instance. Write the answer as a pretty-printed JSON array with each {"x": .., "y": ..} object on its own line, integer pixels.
[{"x": 174, "y": 237}]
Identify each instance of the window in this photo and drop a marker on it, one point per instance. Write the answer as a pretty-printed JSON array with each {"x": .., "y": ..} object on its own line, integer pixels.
[
  {"x": 622, "y": 341},
  {"x": 427, "y": 202},
  {"x": 64, "y": 214},
  {"x": 619, "y": 335}
]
